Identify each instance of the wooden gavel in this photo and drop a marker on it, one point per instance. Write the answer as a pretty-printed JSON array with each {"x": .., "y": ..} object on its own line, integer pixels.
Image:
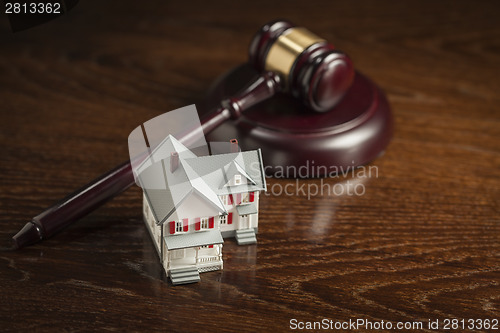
[
  {"x": 309, "y": 67},
  {"x": 291, "y": 59}
]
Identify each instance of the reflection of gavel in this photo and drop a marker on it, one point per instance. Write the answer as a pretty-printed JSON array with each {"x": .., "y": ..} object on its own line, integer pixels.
[{"x": 296, "y": 61}]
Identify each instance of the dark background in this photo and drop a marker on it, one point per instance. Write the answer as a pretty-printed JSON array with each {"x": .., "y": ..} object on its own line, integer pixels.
[{"x": 422, "y": 243}]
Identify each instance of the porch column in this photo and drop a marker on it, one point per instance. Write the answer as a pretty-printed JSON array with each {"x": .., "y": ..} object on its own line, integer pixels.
[{"x": 168, "y": 256}]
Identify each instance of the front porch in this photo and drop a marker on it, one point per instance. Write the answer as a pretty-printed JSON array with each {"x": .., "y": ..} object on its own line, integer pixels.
[
  {"x": 204, "y": 258},
  {"x": 192, "y": 253}
]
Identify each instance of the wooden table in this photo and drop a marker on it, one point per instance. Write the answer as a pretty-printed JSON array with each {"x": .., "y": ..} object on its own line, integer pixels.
[{"x": 421, "y": 243}]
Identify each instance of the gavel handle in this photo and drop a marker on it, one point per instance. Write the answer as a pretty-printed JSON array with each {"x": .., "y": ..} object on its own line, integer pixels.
[
  {"x": 91, "y": 196},
  {"x": 262, "y": 88}
]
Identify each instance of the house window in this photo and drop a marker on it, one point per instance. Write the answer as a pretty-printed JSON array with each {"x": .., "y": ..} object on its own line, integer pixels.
[
  {"x": 237, "y": 179},
  {"x": 227, "y": 199},
  {"x": 178, "y": 226},
  {"x": 245, "y": 198},
  {"x": 223, "y": 219},
  {"x": 204, "y": 222}
]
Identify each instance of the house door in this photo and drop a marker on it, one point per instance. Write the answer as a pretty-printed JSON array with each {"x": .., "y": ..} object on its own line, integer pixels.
[{"x": 244, "y": 222}]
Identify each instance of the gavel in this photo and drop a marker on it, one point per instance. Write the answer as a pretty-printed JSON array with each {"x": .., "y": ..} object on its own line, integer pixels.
[
  {"x": 291, "y": 59},
  {"x": 309, "y": 67}
]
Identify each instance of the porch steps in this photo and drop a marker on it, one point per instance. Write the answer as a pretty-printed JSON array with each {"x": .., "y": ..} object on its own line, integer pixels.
[
  {"x": 246, "y": 236},
  {"x": 184, "y": 275}
]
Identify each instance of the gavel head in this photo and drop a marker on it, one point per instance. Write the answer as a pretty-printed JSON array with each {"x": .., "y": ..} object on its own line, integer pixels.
[{"x": 310, "y": 67}]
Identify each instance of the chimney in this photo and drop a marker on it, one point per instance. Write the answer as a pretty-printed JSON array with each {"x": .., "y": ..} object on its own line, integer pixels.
[
  {"x": 174, "y": 161},
  {"x": 234, "y": 146}
]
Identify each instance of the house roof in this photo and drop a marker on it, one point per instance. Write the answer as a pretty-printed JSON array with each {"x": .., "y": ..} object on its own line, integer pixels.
[
  {"x": 233, "y": 169},
  {"x": 165, "y": 191},
  {"x": 208, "y": 237},
  {"x": 162, "y": 151},
  {"x": 246, "y": 209},
  {"x": 216, "y": 170}
]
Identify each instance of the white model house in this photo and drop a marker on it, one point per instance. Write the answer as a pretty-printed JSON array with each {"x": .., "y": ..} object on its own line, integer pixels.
[{"x": 191, "y": 203}]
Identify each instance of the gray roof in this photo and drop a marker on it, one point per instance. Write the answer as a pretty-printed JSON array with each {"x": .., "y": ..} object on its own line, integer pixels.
[
  {"x": 213, "y": 171},
  {"x": 202, "y": 238},
  {"x": 164, "y": 190},
  {"x": 207, "y": 175},
  {"x": 246, "y": 209},
  {"x": 233, "y": 169},
  {"x": 162, "y": 152}
]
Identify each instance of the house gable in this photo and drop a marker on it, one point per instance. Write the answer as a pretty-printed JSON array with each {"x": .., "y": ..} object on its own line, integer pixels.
[
  {"x": 201, "y": 187},
  {"x": 194, "y": 206},
  {"x": 235, "y": 175}
]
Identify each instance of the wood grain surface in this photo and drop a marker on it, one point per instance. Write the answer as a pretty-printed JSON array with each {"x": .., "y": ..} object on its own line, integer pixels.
[{"x": 421, "y": 243}]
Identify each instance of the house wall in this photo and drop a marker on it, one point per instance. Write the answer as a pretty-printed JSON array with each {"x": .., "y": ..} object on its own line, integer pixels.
[
  {"x": 192, "y": 207},
  {"x": 253, "y": 218},
  {"x": 196, "y": 207},
  {"x": 153, "y": 229}
]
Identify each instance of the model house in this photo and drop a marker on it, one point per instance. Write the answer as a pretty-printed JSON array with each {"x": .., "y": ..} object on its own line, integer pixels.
[{"x": 191, "y": 203}]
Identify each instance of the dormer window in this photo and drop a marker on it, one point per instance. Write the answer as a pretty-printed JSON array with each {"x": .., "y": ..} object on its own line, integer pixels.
[{"x": 237, "y": 179}]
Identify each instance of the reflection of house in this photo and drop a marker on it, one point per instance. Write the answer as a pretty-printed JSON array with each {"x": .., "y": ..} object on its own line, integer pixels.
[{"x": 191, "y": 203}]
